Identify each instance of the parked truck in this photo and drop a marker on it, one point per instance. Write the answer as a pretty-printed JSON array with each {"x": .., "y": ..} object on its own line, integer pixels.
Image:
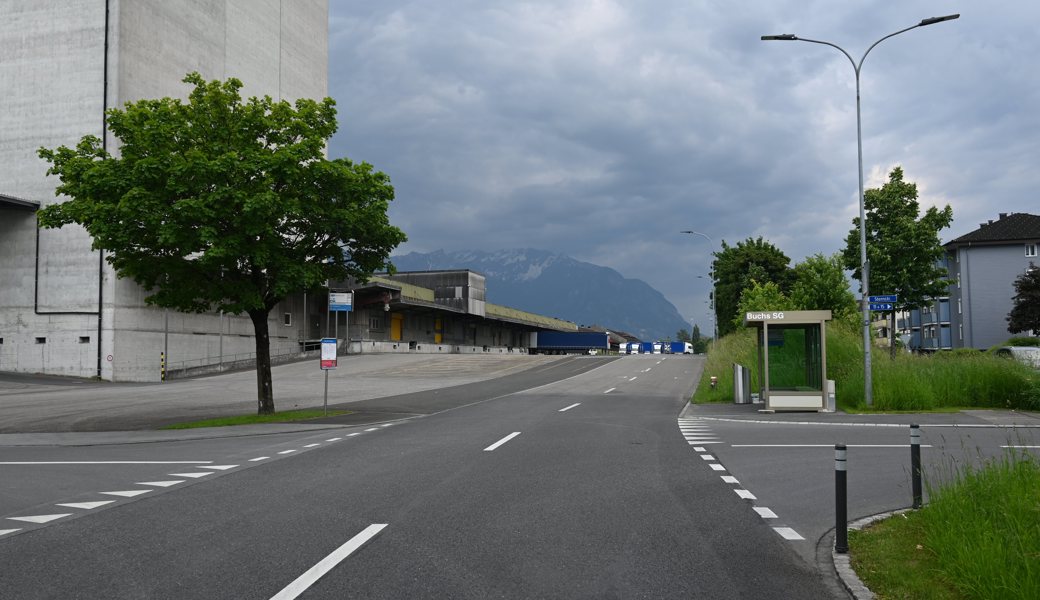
[
  {"x": 570, "y": 342},
  {"x": 680, "y": 347}
]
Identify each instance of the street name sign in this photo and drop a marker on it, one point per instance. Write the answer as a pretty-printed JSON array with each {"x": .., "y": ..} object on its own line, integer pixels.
[{"x": 887, "y": 298}]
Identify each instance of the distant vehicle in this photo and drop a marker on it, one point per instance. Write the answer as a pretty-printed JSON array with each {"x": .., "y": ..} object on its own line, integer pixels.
[
  {"x": 646, "y": 347},
  {"x": 680, "y": 348},
  {"x": 658, "y": 347},
  {"x": 1029, "y": 355}
]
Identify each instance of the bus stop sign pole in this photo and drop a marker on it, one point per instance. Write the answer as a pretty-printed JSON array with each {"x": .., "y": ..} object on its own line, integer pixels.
[{"x": 328, "y": 362}]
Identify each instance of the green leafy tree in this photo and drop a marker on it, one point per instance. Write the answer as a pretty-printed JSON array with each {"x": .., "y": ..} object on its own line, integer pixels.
[
  {"x": 903, "y": 246},
  {"x": 219, "y": 204},
  {"x": 736, "y": 267},
  {"x": 682, "y": 335},
  {"x": 761, "y": 297},
  {"x": 1025, "y": 312},
  {"x": 820, "y": 284}
]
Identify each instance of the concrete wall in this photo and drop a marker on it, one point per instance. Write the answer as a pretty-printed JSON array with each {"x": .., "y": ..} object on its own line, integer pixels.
[{"x": 54, "y": 90}]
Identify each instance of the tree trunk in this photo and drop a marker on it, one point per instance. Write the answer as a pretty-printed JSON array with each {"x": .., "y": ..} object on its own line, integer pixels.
[{"x": 264, "y": 390}]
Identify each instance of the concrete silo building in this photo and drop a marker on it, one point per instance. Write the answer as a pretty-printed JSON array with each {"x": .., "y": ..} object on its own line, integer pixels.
[{"x": 64, "y": 62}]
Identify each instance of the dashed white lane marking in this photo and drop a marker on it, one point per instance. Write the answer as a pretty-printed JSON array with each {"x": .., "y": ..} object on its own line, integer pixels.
[
  {"x": 372, "y": 429},
  {"x": 39, "y": 518},
  {"x": 707, "y": 457},
  {"x": 634, "y": 378},
  {"x": 191, "y": 475},
  {"x": 1018, "y": 447},
  {"x": 717, "y": 467},
  {"x": 697, "y": 432},
  {"x": 745, "y": 494},
  {"x": 729, "y": 479},
  {"x": 301, "y": 583},
  {"x": 698, "y": 449},
  {"x": 86, "y": 505},
  {"x": 502, "y": 441},
  {"x": 386, "y": 424},
  {"x": 312, "y": 445},
  {"x": 111, "y": 462},
  {"x": 259, "y": 458},
  {"x": 610, "y": 390},
  {"x": 219, "y": 467},
  {"x": 765, "y": 513},
  {"x": 7, "y": 531},
  {"x": 566, "y": 408},
  {"x": 169, "y": 483},
  {"x": 335, "y": 439},
  {"x": 287, "y": 451},
  {"x": 787, "y": 533},
  {"x": 353, "y": 434},
  {"x": 126, "y": 493}
]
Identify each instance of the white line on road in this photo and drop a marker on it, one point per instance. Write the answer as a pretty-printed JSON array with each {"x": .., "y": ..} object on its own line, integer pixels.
[
  {"x": 7, "y": 531},
  {"x": 765, "y": 513},
  {"x": 1020, "y": 446},
  {"x": 717, "y": 467},
  {"x": 192, "y": 475},
  {"x": 319, "y": 570},
  {"x": 565, "y": 409},
  {"x": 126, "y": 493},
  {"x": 825, "y": 445},
  {"x": 729, "y": 479},
  {"x": 372, "y": 429},
  {"x": 160, "y": 483},
  {"x": 610, "y": 390},
  {"x": 707, "y": 457},
  {"x": 287, "y": 451},
  {"x": 787, "y": 533},
  {"x": 219, "y": 467},
  {"x": 334, "y": 439},
  {"x": 86, "y": 505},
  {"x": 745, "y": 494},
  {"x": 698, "y": 449},
  {"x": 38, "y": 518},
  {"x": 312, "y": 445},
  {"x": 111, "y": 462},
  {"x": 259, "y": 458},
  {"x": 501, "y": 441},
  {"x": 353, "y": 434},
  {"x": 634, "y": 378}
]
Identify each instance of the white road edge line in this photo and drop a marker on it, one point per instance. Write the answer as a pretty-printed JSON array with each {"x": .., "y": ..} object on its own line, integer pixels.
[
  {"x": 824, "y": 445},
  {"x": 501, "y": 441},
  {"x": 565, "y": 409},
  {"x": 313, "y": 574},
  {"x": 610, "y": 390},
  {"x": 112, "y": 462},
  {"x": 787, "y": 533}
]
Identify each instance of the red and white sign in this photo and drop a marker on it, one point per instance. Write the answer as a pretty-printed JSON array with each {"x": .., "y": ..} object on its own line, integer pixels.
[{"x": 328, "y": 353}]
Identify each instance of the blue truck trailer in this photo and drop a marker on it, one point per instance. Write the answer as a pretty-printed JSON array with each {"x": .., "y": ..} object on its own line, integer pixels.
[
  {"x": 570, "y": 342},
  {"x": 681, "y": 347}
]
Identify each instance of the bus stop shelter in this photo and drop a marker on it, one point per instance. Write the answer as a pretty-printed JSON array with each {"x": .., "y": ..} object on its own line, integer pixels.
[{"x": 792, "y": 358}]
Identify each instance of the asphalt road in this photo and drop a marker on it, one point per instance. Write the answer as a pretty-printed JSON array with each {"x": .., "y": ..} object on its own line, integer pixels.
[{"x": 581, "y": 488}]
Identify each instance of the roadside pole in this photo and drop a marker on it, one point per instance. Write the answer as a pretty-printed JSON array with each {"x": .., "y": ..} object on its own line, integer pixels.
[{"x": 328, "y": 362}]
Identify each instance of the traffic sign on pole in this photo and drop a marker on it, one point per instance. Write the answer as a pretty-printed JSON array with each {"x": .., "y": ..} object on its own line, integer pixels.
[
  {"x": 882, "y": 306},
  {"x": 888, "y": 298}
]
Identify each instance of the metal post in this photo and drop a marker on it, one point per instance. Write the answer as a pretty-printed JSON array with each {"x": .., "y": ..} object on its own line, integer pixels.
[
  {"x": 915, "y": 463},
  {"x": 162, "y": 367},
  {"x": 326, "y": 392},
  {"x": 841, "y": 507},
  {"x": 221, "y": 341},
  {"x": 166, "y": 335}
]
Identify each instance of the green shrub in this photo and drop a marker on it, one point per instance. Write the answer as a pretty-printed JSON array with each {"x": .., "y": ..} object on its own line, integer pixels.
[{"x": 1022, "y": 341}]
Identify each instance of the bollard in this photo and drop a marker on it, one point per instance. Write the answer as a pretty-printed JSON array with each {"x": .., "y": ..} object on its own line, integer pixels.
[
  {"x": 841, "y": 509},
  {"x": 162, "y": 366},
  {"x": 915, "y": 463}
]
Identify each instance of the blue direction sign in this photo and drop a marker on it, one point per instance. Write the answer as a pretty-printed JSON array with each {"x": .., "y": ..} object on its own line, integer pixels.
[
  {"x": 889, "y": 298},
  {"x": 882, "y": 305},
  {"x": 341, "y": 301}
]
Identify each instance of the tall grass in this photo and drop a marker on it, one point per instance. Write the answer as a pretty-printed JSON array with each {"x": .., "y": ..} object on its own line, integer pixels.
[
  {"x": 906, "y": 383},
  {"x": 985, "y": 529}
]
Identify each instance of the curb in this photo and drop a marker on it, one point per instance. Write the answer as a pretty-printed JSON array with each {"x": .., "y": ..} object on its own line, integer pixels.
[{"x": 842, "y": 564}]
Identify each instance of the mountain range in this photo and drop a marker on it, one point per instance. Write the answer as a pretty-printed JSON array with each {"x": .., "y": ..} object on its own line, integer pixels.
[{"x": 559, "y": 286}]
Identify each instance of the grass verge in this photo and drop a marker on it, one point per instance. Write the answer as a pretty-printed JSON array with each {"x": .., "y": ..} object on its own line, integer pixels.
[
  {"x": 979, "y": 537},
  {"x": 278, "y": 417}
]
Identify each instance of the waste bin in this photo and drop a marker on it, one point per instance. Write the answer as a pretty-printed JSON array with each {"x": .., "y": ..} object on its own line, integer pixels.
[{"x": 741, "y": 384}]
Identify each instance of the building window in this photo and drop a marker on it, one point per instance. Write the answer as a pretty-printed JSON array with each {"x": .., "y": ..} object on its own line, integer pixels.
[
  {"x": 375, "y": 323},
  {"x": 41, "y": 340},
  {"x": 960, "y": 332},
  {"x": 1, "y": 341},
  {"x": 84, "y": 339},
  {"x": 287, "y": 320},
  {"x": 1030, "y": 249},
  {"x": 958, "y": 306}
]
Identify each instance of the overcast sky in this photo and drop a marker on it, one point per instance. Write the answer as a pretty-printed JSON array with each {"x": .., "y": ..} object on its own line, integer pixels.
[{"x": 600, "y": 128}]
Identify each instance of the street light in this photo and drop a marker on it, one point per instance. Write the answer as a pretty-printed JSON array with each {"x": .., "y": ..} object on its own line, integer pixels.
[
  {"x": 714, "y": 312},
  {"x": 868, "y": 388}
]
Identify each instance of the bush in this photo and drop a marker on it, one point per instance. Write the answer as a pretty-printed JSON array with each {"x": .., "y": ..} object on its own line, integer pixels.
[{"x": 1022, "y": 341}]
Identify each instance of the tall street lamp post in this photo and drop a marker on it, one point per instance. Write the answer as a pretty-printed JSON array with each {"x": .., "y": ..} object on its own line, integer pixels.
[
  {"x": 868, "y": 388},
  {"x": 714, "y": 314}
]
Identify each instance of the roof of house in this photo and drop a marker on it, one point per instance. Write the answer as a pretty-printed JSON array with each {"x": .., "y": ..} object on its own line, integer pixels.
[{"x": 1010, "y": 227}]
